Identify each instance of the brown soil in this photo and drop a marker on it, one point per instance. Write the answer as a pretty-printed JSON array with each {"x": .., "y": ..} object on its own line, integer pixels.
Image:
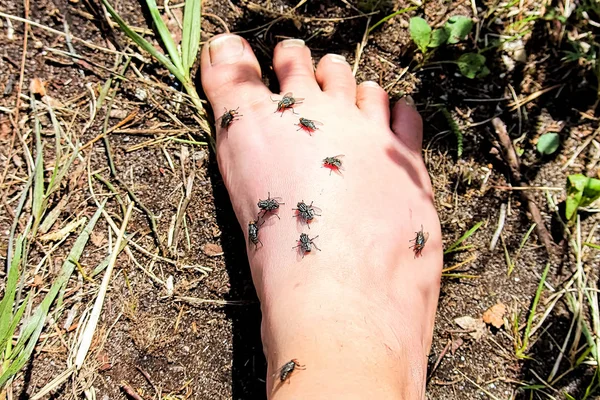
[{"x": 213, "y": 351}]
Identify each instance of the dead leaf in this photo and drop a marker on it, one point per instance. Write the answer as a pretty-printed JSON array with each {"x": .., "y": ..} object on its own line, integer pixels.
[
  {"x": 118, "y": 113},
  {"x": 475, "y": 326},
  {"x": 97, "y": 239},
  {"x": 52, "y": 102},
  {"x": 4, "y": 130},
  {"x": 212, "y": 250},
  {"x": 38, "y": 281},
  {"x": 37, "y": 86},
  {"x": 456, "y": 343},
  {"x": 495, "y": 315}
]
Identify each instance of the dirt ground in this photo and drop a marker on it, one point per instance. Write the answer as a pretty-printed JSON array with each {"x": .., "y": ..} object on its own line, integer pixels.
[{"x": 201, "y": 340}]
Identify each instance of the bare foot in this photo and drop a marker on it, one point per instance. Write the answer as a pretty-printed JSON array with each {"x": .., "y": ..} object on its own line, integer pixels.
[{"x": 358, "y": 315}]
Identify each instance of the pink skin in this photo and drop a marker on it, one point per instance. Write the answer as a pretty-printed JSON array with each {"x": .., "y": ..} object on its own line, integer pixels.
[{"x": 358, "y": 314}]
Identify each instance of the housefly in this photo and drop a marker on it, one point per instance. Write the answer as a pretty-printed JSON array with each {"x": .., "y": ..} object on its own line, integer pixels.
[
  {"x": 305, "y": 243},
  {"x": 253, "y": 233},
  {"x": 287, "y": 102},
  {"x": 420, "y": 240},
  {"x": 269, "y": 205},
  {"x": 228, "y": 117},
  {"x": 307, "y": 212},
  {"x": 286, "y": 370},
  {"x": 308, "y": 125},
  {"x": 334, "y": 163}
]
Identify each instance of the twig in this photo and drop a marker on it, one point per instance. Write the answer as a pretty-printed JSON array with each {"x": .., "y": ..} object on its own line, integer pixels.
[
  {"x": 130, "y": 391},
  {"x": 501, "y": 220},
  {"x": 515, "y": 166},
  {"x": 360, "y": 47}
]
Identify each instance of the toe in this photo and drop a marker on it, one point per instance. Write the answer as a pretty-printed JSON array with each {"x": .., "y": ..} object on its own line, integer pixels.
[
  {"x": 373, "y": 100},
  {"x": 294, "y": 67},
  {"x": 231, "y": 74},
  {"x": 334, "y": 75},
  {"x": 407, "y": 123}
]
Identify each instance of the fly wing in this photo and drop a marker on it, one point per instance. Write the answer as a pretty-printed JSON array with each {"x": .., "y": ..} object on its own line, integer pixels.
[
  {"x": 426, "y": 236},
  {"x": 316, "y": 209},
  {"x": 289, "y": 94},
  {"x": 339, "y": 156},
  {"x": 313, "y": 121}
]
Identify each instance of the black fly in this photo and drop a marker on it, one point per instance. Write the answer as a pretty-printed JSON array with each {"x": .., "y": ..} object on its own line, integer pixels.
[
  {"x": 228, "y": 117},
  {"x": 269, "y": 205},
  {"x": 420, "y": 241},
  {"x": 308, "y": 125},
  {"x": 333, "y": 163},
  {"x": 305, "y": 243},
  {"x": 253, "y": 233},
  {"x": 287, "y": 102},
  {"x": 286, "y": 370},
  {"x": 307, "y": 212}
]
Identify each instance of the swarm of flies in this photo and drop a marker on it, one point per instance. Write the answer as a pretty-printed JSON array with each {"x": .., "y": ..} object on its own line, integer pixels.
[
  {"x": 334, "y": 163},
  {"x": 308, "y": 125},
  {"x": 420, "y": 240},
  {"x": 253, "y": 228},
  {"x": 270, "y": 205},
  {"x": 287, "y": 103},
  {"x": 306, "y": 244},
  {"x": 286, "y": 370},
  {"x": 228, "y": 117},
  {"x": 306, "y": 212}
]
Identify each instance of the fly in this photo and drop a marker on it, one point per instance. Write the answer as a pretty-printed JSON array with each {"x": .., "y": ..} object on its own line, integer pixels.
[
  {"x": 286, "y": 370},
  {"x": 287, "y": 102},
  {"x": 253, "y": 233},
  {"x": 269, "y": 205},
  {"x": 308, "y": 125},
  {"x": 307, "y": 212},
  {"x": 228, "y": 117},
  {"x": 420, "y": 241},
  {"x": 334, "y": 163},
  {"x": 305, "y": 243}
]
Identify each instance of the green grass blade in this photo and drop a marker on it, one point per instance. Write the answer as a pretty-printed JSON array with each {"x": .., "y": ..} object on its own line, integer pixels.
[
  {"x": 190, "y": 40},
  {"x": 392, "y": 15},
  {"x": 9, "y": 292},
  {"x": 536, "y": 300},
  {"x": 13, "y": 324},
  {"x": 464, "y": 237},
  {"x": 32, "y": 330},
  {"x": 37, "y": 207},
  {"x": 143, "y": 43},
  {"x": 165, "y": 35},
  {"x": 592, "y": 245}
]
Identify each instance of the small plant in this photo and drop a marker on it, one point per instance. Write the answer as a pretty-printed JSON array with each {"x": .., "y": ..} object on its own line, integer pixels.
[
  {"x": 454, "y": 30},
  {"x": 456, "y": 246},
  {"x": 581, "y": 192},
  {"x": 548, "y": 143},
  {"x": 471, "y": 65}
]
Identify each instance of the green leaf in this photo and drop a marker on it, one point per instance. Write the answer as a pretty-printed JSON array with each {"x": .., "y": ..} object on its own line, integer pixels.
[
  {"x": 581, "y": 192},
  {"x": 420, "y": 32},
  {"x": 165, "y": 35},
  {"x": 190, "y": 40},
  {"x": 470, "y": 64},
  {"x": 143, "y": 43},
  {"x": 457, "y": 28},
  {"x": 438, "y": 37},
  {"x": 548, "y": 143}
]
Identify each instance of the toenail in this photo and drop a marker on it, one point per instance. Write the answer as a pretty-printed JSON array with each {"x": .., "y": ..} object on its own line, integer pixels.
[
  {"x": 293, "y": 43},
  {"x": 410, "y": 101},
  {"x": 226, "y": 49},
  {"x": 372, "y": 84},
  {"x": 336, "y": 58}
]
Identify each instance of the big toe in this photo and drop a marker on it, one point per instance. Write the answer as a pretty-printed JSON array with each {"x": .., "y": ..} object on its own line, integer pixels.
[{"x": 231, "y": 74}]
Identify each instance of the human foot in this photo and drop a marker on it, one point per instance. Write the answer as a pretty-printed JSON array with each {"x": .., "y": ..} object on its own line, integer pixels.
[{"x": 358, "y": 314}]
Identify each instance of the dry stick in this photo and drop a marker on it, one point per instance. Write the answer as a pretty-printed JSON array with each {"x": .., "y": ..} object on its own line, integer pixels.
[
  {"x": 515, "y": 167},
  {"x": 130, "y": 391}
]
